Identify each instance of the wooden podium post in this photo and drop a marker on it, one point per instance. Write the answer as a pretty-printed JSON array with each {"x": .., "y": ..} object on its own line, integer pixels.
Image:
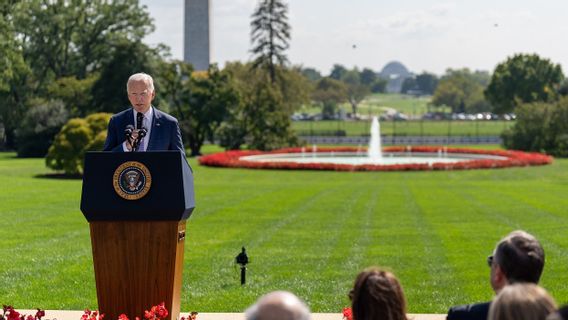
[{"x": 138, "y": 249}]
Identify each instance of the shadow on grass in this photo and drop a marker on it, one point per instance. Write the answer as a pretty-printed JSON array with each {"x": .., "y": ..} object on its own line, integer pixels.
[{"x": 59, "y": 176}]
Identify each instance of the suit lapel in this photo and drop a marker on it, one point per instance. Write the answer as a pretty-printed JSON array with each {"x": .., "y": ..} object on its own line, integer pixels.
[{"x": 156, "y": 124}]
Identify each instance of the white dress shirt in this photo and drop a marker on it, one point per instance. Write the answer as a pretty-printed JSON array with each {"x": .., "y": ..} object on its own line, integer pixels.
[{"x": 146, "y": 123}]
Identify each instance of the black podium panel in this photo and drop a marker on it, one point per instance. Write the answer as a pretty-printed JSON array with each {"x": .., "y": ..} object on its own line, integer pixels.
[{"x": 170, "y": 196}]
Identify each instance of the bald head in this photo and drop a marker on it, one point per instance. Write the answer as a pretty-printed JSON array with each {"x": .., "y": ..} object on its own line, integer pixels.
[{"x": 278, "y": 305}]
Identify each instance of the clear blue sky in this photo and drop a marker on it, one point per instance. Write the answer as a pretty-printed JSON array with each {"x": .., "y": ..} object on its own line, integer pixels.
[{"x": 424, "y": 35}]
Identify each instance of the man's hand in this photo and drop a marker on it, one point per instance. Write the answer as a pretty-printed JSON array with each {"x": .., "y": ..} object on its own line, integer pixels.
[{"x": 130, "y": 141}]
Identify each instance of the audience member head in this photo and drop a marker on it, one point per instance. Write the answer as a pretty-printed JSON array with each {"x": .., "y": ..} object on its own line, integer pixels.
[
  {"x": 278, "y": 305},
  {"x": 521, "y": 301},
  {"x": 518, "y": 257},
  {"x": 560, "y": 314},
  {"x": 377, "y": 294}
]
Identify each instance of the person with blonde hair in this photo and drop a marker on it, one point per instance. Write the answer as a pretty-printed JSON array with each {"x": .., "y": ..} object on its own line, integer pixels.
[
  {"x": 377, "y": 294},
  {"x": 522, "y": 301}
]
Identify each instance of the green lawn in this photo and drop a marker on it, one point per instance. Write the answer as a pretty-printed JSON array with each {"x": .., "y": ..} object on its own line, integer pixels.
[
  {"x": 404, "y": 128},
  {"x": 308, "y": 232}
]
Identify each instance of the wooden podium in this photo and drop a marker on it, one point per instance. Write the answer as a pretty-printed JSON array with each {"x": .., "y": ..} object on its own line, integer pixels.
[{"x": 137, "y": 204}]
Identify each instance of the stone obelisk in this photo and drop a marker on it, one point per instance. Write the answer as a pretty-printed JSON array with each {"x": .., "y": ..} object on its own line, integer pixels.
[{"x": 197, "y": 33}]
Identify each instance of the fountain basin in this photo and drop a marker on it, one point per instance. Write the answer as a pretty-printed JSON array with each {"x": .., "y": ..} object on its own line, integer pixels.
[{"x": 393, "y": 159}]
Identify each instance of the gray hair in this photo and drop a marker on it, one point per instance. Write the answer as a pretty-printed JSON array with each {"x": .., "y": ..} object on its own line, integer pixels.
[
  {"x": 278, "y": 305},
  {"x": 141, "y": 77}
]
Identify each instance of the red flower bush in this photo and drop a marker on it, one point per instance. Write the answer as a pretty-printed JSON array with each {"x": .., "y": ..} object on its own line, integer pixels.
[
  {"x": 10, "y": 314},
  {"x": 232, "y": 159},
  {"x": 347, "y": 314}
]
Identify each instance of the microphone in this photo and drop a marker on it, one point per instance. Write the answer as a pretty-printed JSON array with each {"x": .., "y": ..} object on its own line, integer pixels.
[
  {"x": 142, "y": 133},
  {"x": 128, "y": 131}
]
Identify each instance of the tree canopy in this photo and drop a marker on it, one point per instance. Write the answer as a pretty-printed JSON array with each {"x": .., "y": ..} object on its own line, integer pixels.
[{"x": 523, "y": 78}]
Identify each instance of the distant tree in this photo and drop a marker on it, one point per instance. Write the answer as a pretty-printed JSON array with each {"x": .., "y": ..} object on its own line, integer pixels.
[
  {"x": 523, "y": 78},
  {"x": 367, "y": 77},
  {"x": 211, "y": 98},
  {"x": 39, "y": 126},
  {"x": 337, "y": 72},
  {"x": 356, "y": 91},
  {"x": 329, "y": 92},
  {"x": 540, "y": 127},
  {"x": 262, "y": 117},
  {"x": 409, "y": 84},
  {"x": 427, "y": 82},
  {"x": 270, "y": 35},
  {"x": 312, "y": 74},
  {"x": 563, "y": 88},
  {"x": 460, "y": 90},
  {"x": 74, "y": 93},
  {"x": 379, "y": 86}
]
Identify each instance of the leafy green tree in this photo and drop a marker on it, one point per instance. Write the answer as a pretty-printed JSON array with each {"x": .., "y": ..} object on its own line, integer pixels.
[
  {"x": 540, "y": 127},
  {"x": 461, "y": 90},
  {"x": 39, "y": 126},
  {"x": 67, "y": 38},
  {"x": 379, "y": 86},
  {"x": 75, "y": 138},
  {"x": 523, "y": 78},
  {"x": 427, "y": 82},
  {"x": 14, "y": 73},
  {"x": 75, "y": 93},
  {"x": 270, "y": 34},
  {"x": 329, "y": 92},
  {"x": 367, "y": 77},
  {"x": 337, "y": 72},
  {"x": 109, "y": 91},
  {"x": 212, "y": 95},
  {"x": 262, "y": 116},
  {"x": 409, "y": 84},
  {"x": 356, "y": 91},
  {"x": 311, "y": 73}
]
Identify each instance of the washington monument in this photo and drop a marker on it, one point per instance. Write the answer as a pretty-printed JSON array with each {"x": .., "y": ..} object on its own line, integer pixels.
[{"x": 196, "y": 34}]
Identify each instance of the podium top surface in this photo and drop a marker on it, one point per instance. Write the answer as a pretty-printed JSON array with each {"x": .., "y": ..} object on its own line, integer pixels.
[{"x": 143, "y": 186}]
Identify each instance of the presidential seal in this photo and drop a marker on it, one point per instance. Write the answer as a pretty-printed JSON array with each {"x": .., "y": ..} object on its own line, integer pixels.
[{"x": 132, "y": 180}]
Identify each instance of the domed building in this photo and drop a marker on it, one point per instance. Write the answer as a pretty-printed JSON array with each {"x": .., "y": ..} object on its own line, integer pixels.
[{"x": 395, "y": 73}]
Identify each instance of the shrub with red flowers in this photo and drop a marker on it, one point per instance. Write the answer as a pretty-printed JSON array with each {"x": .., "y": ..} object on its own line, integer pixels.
[
  {"x": 233, "y": 159},
  {"x": 158, "y": 312},
  {"x": 10, "y": 314},
  {"x": 347, "y": 314}
]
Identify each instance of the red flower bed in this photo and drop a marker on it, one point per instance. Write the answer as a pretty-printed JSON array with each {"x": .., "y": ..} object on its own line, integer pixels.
[{"x": 232, "y": 159}]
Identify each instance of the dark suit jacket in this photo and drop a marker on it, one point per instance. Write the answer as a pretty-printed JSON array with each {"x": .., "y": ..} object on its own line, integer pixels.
[
  {"x": 476, "y": 311},
  {"x": 165, "y": 133}
]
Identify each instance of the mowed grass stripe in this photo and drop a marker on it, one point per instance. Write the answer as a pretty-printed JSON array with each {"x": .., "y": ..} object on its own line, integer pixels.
[
  {"x": 548, "y": 222},
  {"x": 258, "y": 221}
]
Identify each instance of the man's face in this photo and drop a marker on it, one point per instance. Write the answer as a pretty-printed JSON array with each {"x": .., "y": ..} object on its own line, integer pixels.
[
  {"x": 497, "y": 278},
  {"x": 140, "y": 96}
]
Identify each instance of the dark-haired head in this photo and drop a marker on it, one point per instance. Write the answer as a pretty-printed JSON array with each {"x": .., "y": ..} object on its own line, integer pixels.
[
  {"x": 520, "y": 257},
  {"x": 377, "y": 294}
]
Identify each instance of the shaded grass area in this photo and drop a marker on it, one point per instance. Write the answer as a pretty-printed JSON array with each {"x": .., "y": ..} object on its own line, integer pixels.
[
  {"x": 404, "y": 128},
  {"x": 308, "y": 232}
]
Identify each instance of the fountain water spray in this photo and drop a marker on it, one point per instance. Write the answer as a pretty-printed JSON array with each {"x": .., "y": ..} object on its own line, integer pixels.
[{"x": 375, "y": 149}]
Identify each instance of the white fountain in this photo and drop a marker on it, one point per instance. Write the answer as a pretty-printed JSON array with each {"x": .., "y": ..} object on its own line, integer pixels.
[
  {"x": 375, "y": 151},
  {"x": 373, "y": 156}
]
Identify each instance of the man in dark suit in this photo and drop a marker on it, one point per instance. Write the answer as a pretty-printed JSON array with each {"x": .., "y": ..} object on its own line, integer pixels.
[
  {"x": 162, "y": 130},
  {"x": 518, "y": 257}
]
